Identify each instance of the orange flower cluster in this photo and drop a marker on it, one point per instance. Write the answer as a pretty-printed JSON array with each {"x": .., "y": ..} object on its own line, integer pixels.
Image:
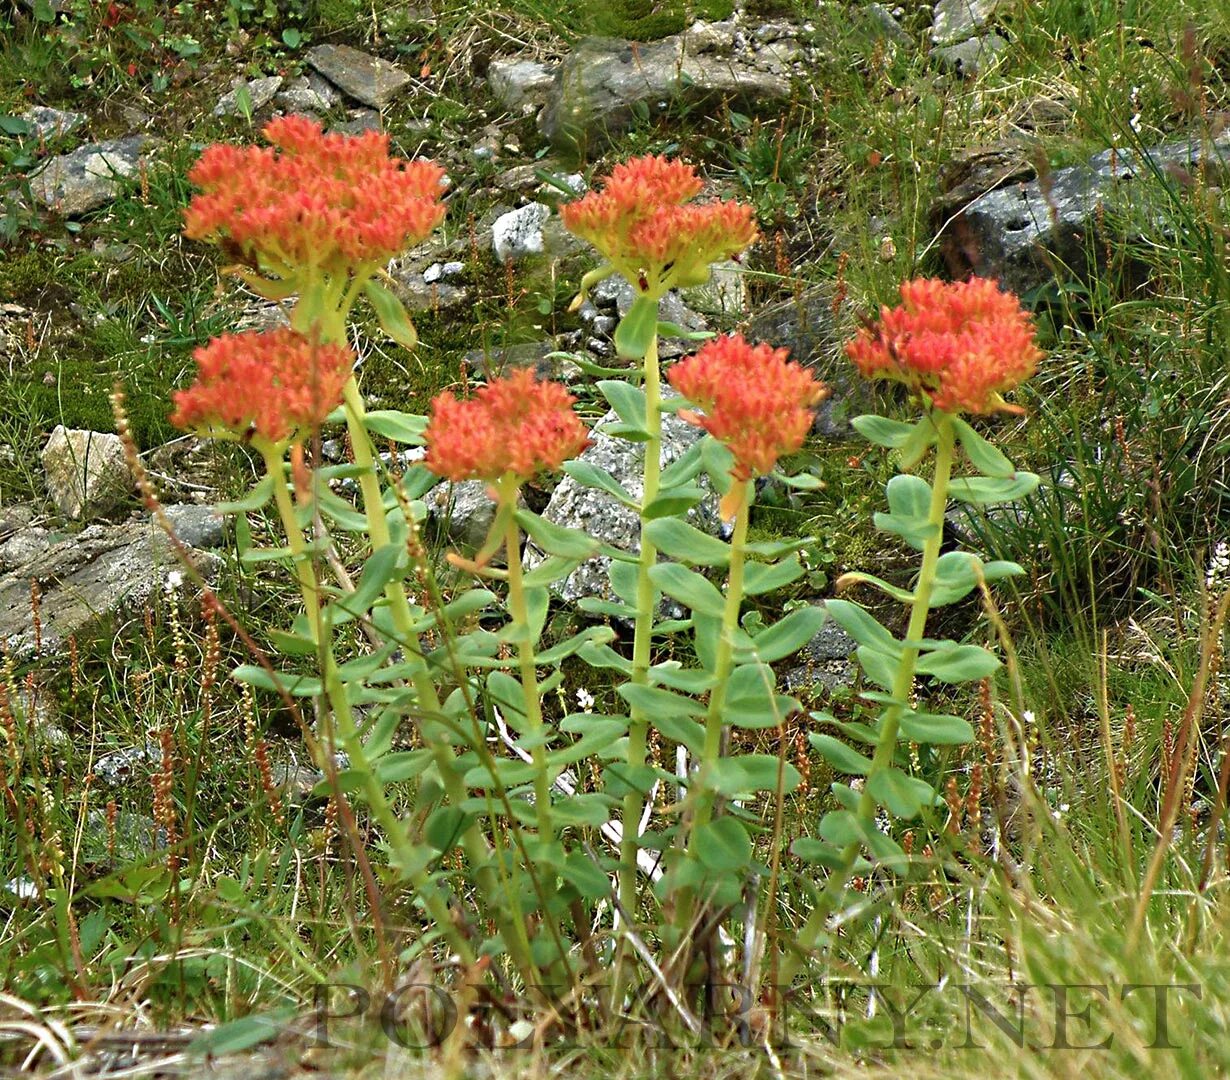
[
  {"x": 514, "y": 425},
  {"x": 755, "y": 400},
  {"x": 641, "y": 222},
  {"x": 268, "y": 386},
  {"x": 334, "y": 202},
  {"x": 964, "y": 344}
]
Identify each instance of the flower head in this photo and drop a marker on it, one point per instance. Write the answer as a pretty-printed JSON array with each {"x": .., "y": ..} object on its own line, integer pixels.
[
  {"x": 514, "y": 425},
  {"x": 643, "y": 222},
  {"x": 753, "y": 399},
  {"x": 964, "y": 344},
  {"x": 333, "y": 201},
  {"x": 272, "y": 386}
]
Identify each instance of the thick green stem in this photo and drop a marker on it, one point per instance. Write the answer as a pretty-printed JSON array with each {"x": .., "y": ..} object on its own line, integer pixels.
[
  {"x": 518, "y": 609},
  {"x": 714, "y": 726},
  {"x": 903, "y": 683},
  {"x": 344, "y": 729},
  {"x": 646, "y": 609}
]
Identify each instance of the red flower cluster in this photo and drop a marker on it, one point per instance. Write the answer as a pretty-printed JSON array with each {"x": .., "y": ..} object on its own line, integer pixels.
[
  {"x": 269, "y": 386},
  {"x": 329, "y": 201},
  {"x": 754, "y": 400},
  {"x": 964, "y": 344},
  {"x": 640, "y": 222},
  {"x": 512, "y": 425}
]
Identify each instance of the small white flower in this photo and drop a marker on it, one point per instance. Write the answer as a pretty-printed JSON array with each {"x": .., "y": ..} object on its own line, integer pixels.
[
  {"x": 585, "y": 700},
  {"x": 1028, "y": 716},
  {"x": 174, "y": 580}
]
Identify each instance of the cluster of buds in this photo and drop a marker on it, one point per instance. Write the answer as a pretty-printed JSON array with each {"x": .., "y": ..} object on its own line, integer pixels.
[
  {"x": 754, "y": 400},
  {"x": 331, "y": 202},
  {"x": 644, "y": 223},
  {"x": 514, "y": 426},
  {"x": 962, "y": 344},
  {"x": 264, "y": 387}
]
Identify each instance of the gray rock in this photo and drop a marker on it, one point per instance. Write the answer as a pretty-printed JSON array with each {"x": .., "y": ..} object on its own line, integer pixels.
[
  {"x": 702, "y": 37},
  {"x": 886, "y": 24},
  {"x": 615, "y": 293},
  {"x": 196, "y": 526},
  {"x": 519, "y": 85},
  {"x": 519, "y": 233},
  {"x": 958, "y": 20},
  {"x": 87, "y": 577},
  {"x": 86, "y": 471},
  {"x": 360, "y": 120},
  {"x": 808, "y": 327},
  {"x": 248, "y": 96},
  {"x": 968, "y": 58},
  {"x": 1019, "y": 233},
  {"x": 600, "y": 84},
  {"x": 502, "y": 360},
  {"x": 307, "y": 94},
  {"x": 23, "y": 546},
  {"x": 91, "y": 176},
  {"x": 48, "y": 123},
  {"x": 417, "y": 294},
  {"x": 463, "y": 512},
  {"x": 602, "y": 517},
  {"x": 132, "y": 765},
  {"x": 364, "y": 77},
  {"x": 442, "y": 271}
]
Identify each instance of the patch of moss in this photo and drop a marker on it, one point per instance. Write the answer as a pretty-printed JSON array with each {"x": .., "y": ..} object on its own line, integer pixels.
[{"x": 645, "y": 20}]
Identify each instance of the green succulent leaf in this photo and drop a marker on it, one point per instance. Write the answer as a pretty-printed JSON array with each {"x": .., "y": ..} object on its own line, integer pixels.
[
  {"x": 958, "y": 663},
  {"x": 861, "y": 626},
  {"x": 391, "y": 314},
  {"x": 903, "y": 596},
  {"x": 840, "y": 756},
  {"x": 939, "y": 729},
  {"x": 401, "y": 427},
  {"x": 751, "y": 701},
  {"x": 982, "y": 455},
  {"x": 688, "y": 587},
  {"x": 749, "y": 773},
  {"x": 557, "y": 539},
  {"x": 637, "y": 329},
  {"x": 682, "y": 541},
  {"x": 723, "y": 846},
  {"x": 761, "y": 578},
  {"x": 984, "y": 490},
  {"x": 784, "y": 637},
  {"x": 891, "y": 434},
  {"x": 903, "y": 795},
  {"x": 592, "y": 476},
  {"x": 673, "y": 502}
]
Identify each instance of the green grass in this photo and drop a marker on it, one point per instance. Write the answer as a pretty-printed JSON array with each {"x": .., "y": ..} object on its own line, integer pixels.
[{"x": 1130, "y": 405}]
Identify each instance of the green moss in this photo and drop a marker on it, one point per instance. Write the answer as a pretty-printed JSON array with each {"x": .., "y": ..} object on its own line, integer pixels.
[{"x": 645, "y": 20}]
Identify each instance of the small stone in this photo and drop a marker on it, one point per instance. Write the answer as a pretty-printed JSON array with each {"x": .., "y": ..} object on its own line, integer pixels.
[
  {"x": 48, "y": 123},
  {"x": 248, "y": 97},
  {"x": 464, "y": 512},
  {"x": 519, "y": 85},
  {"x": 452, "y": 269},
  {"x": 957, "y": 20},
  {"x": 885, "y": 22},
  {"x": 433, "y": 273},
  {"x": 307, "y": 94},
  {"x": 361, "y": 120},
  {"x": 91, "y": 176},
  {"x": 968, "y": 58},
  {"x": 196, "y": 526},
  {"x": 725, "y": 293},
  {"x": 519, "y": 233},
  {"x": 129, "y": 838},
  {"x": 364, "y": 77},
  {"x": 86, "y": 471},
  {"x": 133, "y": 765}
]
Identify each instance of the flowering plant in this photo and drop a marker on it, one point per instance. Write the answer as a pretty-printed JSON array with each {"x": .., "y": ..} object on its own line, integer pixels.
[{"x": 494, "y": 772}]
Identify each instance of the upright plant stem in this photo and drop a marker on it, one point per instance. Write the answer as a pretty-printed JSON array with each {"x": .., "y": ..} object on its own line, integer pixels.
[
  {"x": 723, "y": 662},
  {"x": 903, "y": 683},
  {"x": 519, "y": 610},
  {"x": 646, "y": 604},
  {"x": 343, "y": 720}
]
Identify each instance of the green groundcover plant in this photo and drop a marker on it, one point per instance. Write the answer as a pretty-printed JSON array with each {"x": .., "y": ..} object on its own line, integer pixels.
[{"x": 523, "y": 835}]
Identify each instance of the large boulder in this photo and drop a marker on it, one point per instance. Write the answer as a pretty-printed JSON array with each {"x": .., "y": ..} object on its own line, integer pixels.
[
  {"x": 600, "y": 86},
  {"x": 1019, "y": 233},
  {"x": 85, "y": 578}
]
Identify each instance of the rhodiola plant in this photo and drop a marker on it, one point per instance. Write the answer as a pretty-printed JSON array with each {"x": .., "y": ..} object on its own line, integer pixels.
[
  {"x": 548, "y": 811},
  {"x": 957, "y": 348}
]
